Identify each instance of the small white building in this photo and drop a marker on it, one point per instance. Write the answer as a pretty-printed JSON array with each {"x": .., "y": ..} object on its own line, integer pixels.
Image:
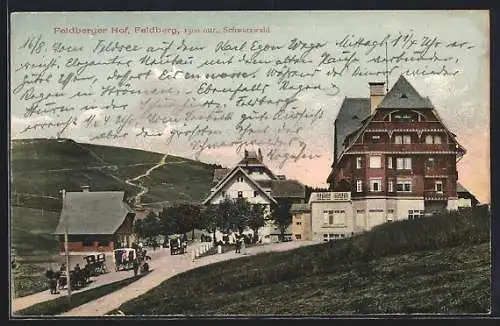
[{"x": 253, "y": 180}]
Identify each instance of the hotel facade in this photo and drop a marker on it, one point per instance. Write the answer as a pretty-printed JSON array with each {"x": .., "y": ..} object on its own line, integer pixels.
[{"x": 394, "y": 159}]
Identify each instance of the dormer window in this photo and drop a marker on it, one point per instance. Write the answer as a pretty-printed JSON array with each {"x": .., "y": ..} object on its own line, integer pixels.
[
  {"x": 404, "y": 117},
  {"x": 430, "y": 139}
]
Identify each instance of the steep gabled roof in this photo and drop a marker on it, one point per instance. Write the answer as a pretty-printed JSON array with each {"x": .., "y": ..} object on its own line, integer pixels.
[
  {"x": 461, "y": 188},
  {"x": 230, "y": 176},
  {"x": 404, "y": 96},
  {"x": 99, "y": 212},
  {"x": 287, "y": 189},
  {"x": 350, "y": 117},
  {"x": 219, "y": 174},
  {"x": 251, "y": 158}
]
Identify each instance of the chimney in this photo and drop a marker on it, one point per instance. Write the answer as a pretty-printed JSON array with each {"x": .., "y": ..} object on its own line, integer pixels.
[
  {"x": 376, "y": 94},
  {"x": 85, "y": 188},
  {"x": 259, "y": 155}
]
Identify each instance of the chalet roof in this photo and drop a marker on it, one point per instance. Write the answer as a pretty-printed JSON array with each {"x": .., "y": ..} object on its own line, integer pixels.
[
  {"x": 350, "y": 117},
  {"x": 237, "y": 169},
  {"x": 219, "y": 174},
  {"x": 300, "y": 208},
  {"x": 251, "y": 157},
  {"x": 99, "y": 212},
  {"x": 265, "y": 183},
  {"x": 461, "y": 188},
  {"x": 404, "y": 96},
  {"x": 287, "y": 189}
]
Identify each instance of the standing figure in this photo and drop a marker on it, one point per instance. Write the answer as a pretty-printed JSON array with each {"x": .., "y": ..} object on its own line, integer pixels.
[
  {"x": 238, "y": 244},
  {"x": 136, "y": 266}
]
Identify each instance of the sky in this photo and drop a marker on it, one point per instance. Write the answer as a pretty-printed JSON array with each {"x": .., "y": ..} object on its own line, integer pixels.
[{"x": 461, "y": 100}]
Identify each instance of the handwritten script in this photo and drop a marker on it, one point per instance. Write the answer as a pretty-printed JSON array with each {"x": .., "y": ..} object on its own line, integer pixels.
[{"x": 205, "y": 88}]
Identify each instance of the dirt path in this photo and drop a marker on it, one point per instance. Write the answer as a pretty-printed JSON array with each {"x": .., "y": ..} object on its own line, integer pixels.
[
  {"x": 144, "y": 190},
  {"x": 163, "y": 269}
]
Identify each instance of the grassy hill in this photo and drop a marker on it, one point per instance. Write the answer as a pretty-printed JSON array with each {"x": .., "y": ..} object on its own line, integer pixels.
[
  {"x": 431, "y": 265},
  {"x": 41, "y": 167}
]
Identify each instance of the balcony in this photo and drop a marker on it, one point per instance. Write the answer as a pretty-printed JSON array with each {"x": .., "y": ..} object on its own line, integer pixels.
[
  {"x": 330, "y": 196},
  {"x": 404, "y": 148},
  {"x": 435, "y": 172},
  {"x": 424, "y": 125},
  {"x": 435, "y": 195}
]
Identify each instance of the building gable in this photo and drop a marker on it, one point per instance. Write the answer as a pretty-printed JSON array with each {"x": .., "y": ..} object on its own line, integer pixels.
[
  {"x": 231, "y": 178},
  {"x": 404, "y": 96}
]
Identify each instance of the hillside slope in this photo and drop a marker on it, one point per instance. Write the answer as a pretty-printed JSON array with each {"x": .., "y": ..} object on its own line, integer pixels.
[
  {"x": 42, "y": 167},
  {"x": 431, "y": 265}
]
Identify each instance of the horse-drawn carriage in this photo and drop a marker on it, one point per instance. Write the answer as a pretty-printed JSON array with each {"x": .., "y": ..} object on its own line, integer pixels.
[
  {"x": 177, "y": 247},
  {"x": 124, "y": 258},
  {"x": 96, "y": 264},
  {"x": 58, "y": 280}
]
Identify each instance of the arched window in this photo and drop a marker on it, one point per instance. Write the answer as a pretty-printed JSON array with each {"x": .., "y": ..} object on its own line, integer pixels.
[{"x": 428, "y": 139}]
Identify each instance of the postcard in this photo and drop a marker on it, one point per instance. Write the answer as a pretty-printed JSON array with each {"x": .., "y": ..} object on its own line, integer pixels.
[{"x": 260, "y": 163}]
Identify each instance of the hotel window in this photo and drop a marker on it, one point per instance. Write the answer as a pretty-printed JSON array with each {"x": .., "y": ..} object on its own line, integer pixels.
[
  {"x": 359, "y": 185},
  {"x": 389, "y": 162},
  {"x": 223, "y": 194},
  {"x": 360, "y": 211},
  {"x": 327, "y": 216},
  {"x": 325, "y": 237},
  {"x": 403, "y": 186},
  {"x": 407, "y": 165},
  {"x": 414, "y": 214},
  {"x": 375, "y": 162},
  {"x": 358, "y": 162},
  {"x": 430, "y": 162},
  {"x": 375, "y": 139},
  {"x": 403, "y": 163},
  {"x": 239, "y": 179},
  {"x": 240, "y": 194},
  {"x": 429, "y": 139},
  {"x": 338, "y": 217},
  {"x": 438, "y": 186},
  {"x": 390, "y": 186},
  {"x": 375, "y": 185},
  {"x": 398, "y": 139},
  {"x": 406, "y": 139},
  {"x": 255, "y": 193},
  {"x": 298, "y": 236},
  {"x": 400, "y": 163},
  {"x": 298, "y": 223}
]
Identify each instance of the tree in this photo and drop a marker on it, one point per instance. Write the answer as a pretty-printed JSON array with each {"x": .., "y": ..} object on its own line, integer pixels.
[
  {"x": 241, "y": 217},
  {"x": 148, "y": 227},
  {"x": 226, "y": 209},
  {"x": 168, "y": 221},
  {"x": 189, "y": 218},
  {"x": 180, "y": 218},
  {"x": 257, "y": 219},
  {"x": 209, "y": 218},
  {"x": 282, "y": 216}
]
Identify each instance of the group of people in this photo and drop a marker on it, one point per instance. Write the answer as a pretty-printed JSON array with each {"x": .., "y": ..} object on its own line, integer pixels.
[{"x": 58, "y": 279}]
